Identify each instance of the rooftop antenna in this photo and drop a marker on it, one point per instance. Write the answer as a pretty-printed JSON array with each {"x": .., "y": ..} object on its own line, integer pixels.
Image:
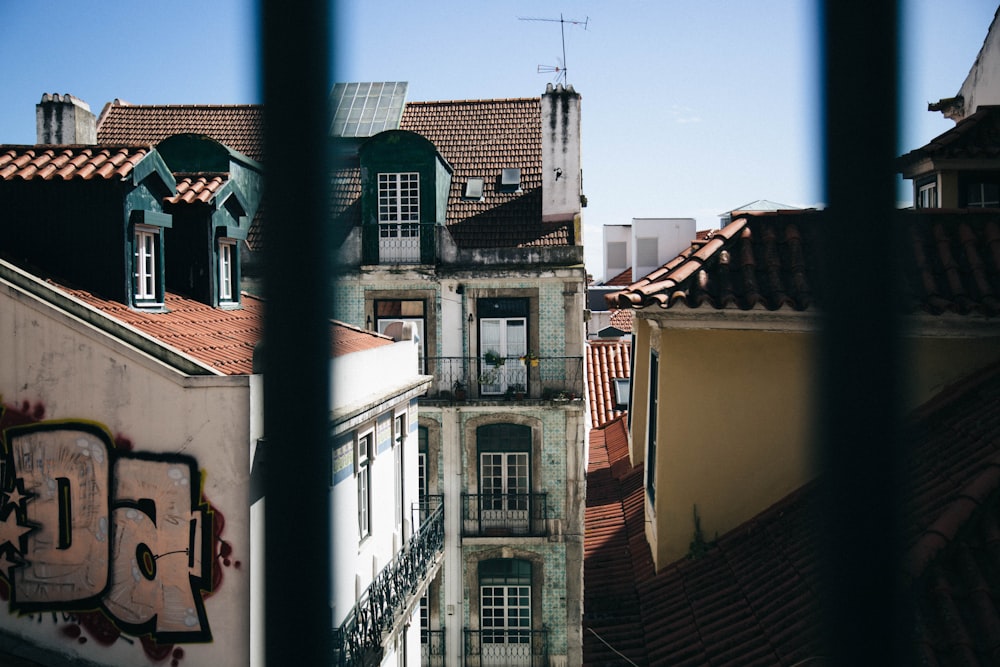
[{"x": 560, "y": 70}]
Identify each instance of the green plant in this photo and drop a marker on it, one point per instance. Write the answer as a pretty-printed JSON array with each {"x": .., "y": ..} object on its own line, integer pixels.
[{"x": 493, "y": 358}]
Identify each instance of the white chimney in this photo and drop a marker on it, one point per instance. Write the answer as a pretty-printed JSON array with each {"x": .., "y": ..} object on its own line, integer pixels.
[
  {"x": 562, "y": 180},
  {"x": 64, "y": 119}
]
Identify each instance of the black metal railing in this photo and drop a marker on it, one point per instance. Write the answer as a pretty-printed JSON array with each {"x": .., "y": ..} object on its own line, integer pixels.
[
  {"x": 513, "y": 648},
  {"x": 504, "y": 514},
  {"x": 359, "y": 639},
  {"x": 432, "y": 648},
  {"x": 513, "y": 378}
]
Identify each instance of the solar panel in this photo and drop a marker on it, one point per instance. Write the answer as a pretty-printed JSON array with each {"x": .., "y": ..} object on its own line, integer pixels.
[{"x": 365, "y": 109}]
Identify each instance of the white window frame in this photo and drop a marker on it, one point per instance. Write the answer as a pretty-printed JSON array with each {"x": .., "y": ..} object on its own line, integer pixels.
[
  {"x": 227, "y": 269},
  {"x": 496, "y": 378},
  {"x": 363, "y": 455},
  {"x": 400, "y": 424},
  {"x": 399, "y": 216},
  {"x": 927, "y": 195},
  {"x": 146, "y": 270}
]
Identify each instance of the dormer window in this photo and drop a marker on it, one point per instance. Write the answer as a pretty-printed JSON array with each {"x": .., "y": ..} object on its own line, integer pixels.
[
  {"x": 927, "y": 195},
  {"x": 399, "y": 217},
  {"x": 227, "y": 271},
  {"x": 147, "y": 241}
]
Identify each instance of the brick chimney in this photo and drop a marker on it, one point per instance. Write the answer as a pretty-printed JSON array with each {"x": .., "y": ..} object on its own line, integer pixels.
[
  {"x": 562, "y": 180},
  {"x": 64, "y": 119}
]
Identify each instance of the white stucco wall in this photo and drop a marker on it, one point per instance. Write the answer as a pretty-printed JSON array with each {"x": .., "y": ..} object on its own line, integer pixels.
[
  {"x": 982, "y": 85},
  {"x": 76, "y": 372}
]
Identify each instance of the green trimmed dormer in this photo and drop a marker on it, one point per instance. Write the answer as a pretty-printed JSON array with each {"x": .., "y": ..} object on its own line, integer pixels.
[
  {"x": 404, "y": 196},
  {"x": 218, "y": 193}
]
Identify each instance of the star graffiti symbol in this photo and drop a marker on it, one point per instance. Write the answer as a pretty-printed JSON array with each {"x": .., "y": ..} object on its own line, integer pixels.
[
  {"x": 11, "y": 530},
  {"x": 6, "y": 563},
  {"x": 17, "y": 495}
]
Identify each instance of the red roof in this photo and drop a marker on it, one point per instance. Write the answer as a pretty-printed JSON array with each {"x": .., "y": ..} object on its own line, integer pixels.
[
  {"x": 238, "y": 126},
  {"x": 973, "y": 137},
  {"x": 621, "y": 319},
  {"x": 769, "y": 261},
  {"x": 347, "y": 339},
  {"x": 221, "y": 339},
  {"x": 606, "y": 360},
  {"x": 68, "y": 162},
  {"x": 752, "y": 597},
  {"x": 623, "y": 279},
  {"x": 196, "y": 188}
]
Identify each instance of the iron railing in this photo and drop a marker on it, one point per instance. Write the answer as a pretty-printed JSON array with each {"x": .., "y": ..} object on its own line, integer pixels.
[
  {"x": 358, "y": 641},
  {"x": 511, "y": 648},
  {"x": 432, "y": 648},
  {"x": 504, "y": 514},
  {"x": 515, "y": 378},
  {"x": 399, "y": 243}
]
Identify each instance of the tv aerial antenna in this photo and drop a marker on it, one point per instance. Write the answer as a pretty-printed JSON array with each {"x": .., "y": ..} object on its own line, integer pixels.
[{"x": 559, "y": 70}]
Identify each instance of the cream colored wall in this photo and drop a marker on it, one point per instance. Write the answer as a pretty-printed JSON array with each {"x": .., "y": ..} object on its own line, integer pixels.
[
  {"x": 78, "y": 373},
  {"x": 736, "y": 408},
  {"x": 734, "y": 416},
  {"x": 939, "y": 362}
]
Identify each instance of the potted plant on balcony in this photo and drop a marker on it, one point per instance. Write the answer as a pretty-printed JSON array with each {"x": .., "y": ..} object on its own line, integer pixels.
[
  {"x": 459, "y": 388},
  {"x": 515, "y": 391},
  {"x": 493, "y": 358},
  {"x": 530, "y": 358}
]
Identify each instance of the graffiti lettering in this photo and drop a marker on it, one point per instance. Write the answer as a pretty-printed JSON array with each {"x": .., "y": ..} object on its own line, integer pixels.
[{"x": 84, "y": 525}]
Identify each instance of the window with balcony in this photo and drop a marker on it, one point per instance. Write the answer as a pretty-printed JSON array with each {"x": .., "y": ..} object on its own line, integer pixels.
[
  {"x": 503, "y": 344},
  {"x": 505, "y": 609},
  {"x": 399, "y": 217}
]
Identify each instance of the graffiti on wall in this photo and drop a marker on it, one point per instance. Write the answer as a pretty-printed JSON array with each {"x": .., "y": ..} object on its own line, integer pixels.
[{"x": 87, "y": 524}]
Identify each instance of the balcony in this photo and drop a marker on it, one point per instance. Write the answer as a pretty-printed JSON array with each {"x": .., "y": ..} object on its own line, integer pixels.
[
  {"x": 359, "y": 641},
  {"x": 432, "y": 648},
  {"x": 399, "y": 243},
  {"x": 504, "y": 515},
  {"x": 506, "y": 648},
  {"x": 553, "y": 378}
]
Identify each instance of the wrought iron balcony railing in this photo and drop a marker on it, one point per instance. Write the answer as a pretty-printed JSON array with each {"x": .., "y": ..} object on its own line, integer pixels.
[
  {"x": 511, "y": 648},
  {"x": 359, "y": 639},
  {"x": 513, "y": 378},
  {"x": 432, "y": 648},
  {"x": 504, "y": 514},
  {"x": 399, "y": 243}
]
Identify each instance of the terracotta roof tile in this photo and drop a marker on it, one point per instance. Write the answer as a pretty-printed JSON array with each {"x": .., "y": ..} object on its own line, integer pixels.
[
  {"x": 222, "y": 339},
  {"x": 972, "y": 137},
  {"x": 197, "y": 188},
  {"x": 622, "y": 319},
  {"x": 238, "y": 126},
  {"x": 347, "y": 339},
  {"x": 769, "y": 261},
  {"x": 623, "y": 279},
  {"x": 753, "y": 598},
  {"x": 606, "y": 360},
  {"x": 69, "y": 162}
]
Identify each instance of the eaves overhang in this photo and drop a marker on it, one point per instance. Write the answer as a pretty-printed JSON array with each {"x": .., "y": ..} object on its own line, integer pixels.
[
  {"x": 786, "y": 320},
  {"x": 56, "y": 298},
  {"x": 365, "y": 408}
]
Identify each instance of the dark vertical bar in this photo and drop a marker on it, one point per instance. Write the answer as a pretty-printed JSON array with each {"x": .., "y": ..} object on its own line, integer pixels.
[
  {"x": 296, "y": 81},
  {"x": 859, "y": 350}
]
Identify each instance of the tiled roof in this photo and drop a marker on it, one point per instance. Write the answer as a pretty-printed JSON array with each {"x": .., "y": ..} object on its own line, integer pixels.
[
  {"x": 622, "y": 319},
  {"x": 238, "y": 126},
  {"x": 624, "y": 279},
  {"x": 753, "y": 597},
  {"x": 606, "y": 360},
  {"x": 347, "y": 338},
  {"x": 222, "y": 339},
  {"x": 768, "y": 261},
  {"x": 68, "y": 162},
  {"x": 974, "y": 137},
  {"x": 200, "y": 188},
  {"x": 478, "y": 138}
]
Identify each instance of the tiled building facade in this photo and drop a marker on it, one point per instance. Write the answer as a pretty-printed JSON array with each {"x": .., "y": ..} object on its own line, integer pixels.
[{"x": 458, "y": 224}]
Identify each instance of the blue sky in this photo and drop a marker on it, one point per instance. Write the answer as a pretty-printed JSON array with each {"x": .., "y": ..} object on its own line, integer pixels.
[{"x": 690, "y": 109}]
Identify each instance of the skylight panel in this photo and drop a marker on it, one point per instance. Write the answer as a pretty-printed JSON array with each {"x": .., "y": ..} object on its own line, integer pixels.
[
  {"x": 473, "y": 189},
  {"x": 510, "y": 179},
  {"x": 365, "y": 109}
]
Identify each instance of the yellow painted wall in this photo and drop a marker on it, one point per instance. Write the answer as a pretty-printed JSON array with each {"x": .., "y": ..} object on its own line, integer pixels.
[
  {"x": 734, "y": 416},
  {"x": 736, "y": 408}
]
